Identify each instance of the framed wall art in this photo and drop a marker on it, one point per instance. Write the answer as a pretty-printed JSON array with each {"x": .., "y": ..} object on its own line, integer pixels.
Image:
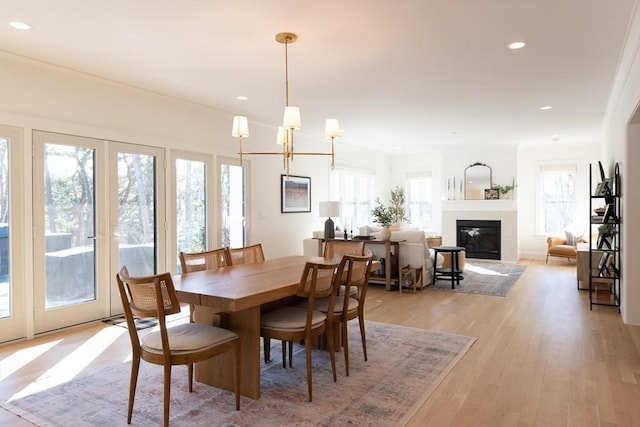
[{"x": 295, "y": 194}]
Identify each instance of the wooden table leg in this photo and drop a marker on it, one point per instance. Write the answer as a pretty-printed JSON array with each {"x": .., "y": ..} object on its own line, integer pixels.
[{"x": 218, "y": 371}]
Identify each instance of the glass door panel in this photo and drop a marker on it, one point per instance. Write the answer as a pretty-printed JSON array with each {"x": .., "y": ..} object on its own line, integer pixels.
[
  {"x": 12, "y": 316},
  {"x": 67, "y": 289},
  {"x": 69, "y": 220},
  {"x": 137, "y": 213},
  {"x": 191, "y": 206},
  {"x": 232, "y": 205},
  {"x": 5, "y": 283}
]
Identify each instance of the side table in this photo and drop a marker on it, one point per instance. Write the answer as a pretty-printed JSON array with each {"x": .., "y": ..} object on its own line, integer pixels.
[{"x": 453, "y": 273}]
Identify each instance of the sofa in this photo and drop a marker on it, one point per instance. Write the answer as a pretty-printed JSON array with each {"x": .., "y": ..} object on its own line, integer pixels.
[{"x": 414, "y": 250}]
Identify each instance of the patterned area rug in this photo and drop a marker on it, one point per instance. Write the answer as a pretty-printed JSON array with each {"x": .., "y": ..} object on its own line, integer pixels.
[
  {"x": 405, "y": 365},
  {"x": 484, "y": 278}
]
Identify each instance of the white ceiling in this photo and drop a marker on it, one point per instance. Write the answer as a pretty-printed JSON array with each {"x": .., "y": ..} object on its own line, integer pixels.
[{"x": 399, "y": 74}]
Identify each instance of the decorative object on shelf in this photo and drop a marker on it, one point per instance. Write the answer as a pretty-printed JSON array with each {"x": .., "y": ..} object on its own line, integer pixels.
[
  {"x": 290, "y": 123},
  {"x": 477, "y": 177},
  {"x": 328, "y": 210},
  {"x": 295, "y": 193},
  {"x": 491, "y": 194},
  {"x": 504, "y": 189}
]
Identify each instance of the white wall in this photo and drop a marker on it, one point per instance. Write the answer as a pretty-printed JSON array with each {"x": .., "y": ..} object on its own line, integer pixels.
[
  {"x": 622, "y": 145},
  {"x": 532, "y": 244}
]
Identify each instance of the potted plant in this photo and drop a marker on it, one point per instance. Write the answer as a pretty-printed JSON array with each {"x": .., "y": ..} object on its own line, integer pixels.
[
  {"x": 383, "y": 216},
  {"x": 397, "y": 206},
  {"x": 503, "y": 189}
]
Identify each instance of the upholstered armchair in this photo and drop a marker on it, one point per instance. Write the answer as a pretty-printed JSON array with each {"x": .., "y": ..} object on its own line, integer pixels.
[{"x": 559, "y": 247}]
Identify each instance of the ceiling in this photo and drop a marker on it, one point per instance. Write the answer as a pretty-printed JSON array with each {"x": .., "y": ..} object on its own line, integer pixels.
[{"x": 401, "y": 75}]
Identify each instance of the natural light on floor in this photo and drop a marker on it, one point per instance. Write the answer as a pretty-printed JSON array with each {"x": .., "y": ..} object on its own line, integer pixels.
[
  {"x": 67, "y": 368},
  {"x": 484, "y": 271}
]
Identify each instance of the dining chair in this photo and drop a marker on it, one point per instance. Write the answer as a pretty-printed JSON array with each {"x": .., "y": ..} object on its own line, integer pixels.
[
  {"x": 343, "y": 247},
  {"x": 182, "y": 344},
  {"x": 349, "y": 305},
  {"x": 206, "y": 260},
  {"x": 293, "y": 323},
  {"x": 246, "y": 255}
]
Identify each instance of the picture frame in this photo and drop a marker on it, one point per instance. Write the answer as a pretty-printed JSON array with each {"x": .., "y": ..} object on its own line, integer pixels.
[
  {"x": 606, "y": 188},
  {"x": 598, "y": 191},
  {"x": 491, "y": 194},
  {"x": 295, "y": 194}
]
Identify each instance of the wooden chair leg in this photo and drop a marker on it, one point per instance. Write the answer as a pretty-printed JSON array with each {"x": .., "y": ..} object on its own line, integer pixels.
[
  {"x": 190, "y": 373},
  {"x": 266, "y": 348},
  {"x": 307, "y": 345},
  {"x": 331, "y": 348},
  {"x": 284, "y": 354},
  {"x": 363, "y": 336},
  {"x": 135, "y": 367},
  {"x": 291, "y": 354},
  {"x": 345, "y": 347},
  {"x": 167, "y": 393}
]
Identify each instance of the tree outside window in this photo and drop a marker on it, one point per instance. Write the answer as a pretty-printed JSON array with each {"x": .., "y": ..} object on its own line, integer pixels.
[{"x": 558, "y": 202}]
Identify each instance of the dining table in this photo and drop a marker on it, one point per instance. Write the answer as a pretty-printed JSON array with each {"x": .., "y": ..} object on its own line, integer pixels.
[{"x": 240, "y": 291}]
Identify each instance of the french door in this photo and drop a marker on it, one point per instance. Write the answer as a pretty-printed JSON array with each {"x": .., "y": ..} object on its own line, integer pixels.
[
  {"x": 137, "y": 213},
  {"x": 12, "y": 293},
  {"x": 96, "y": 207}
]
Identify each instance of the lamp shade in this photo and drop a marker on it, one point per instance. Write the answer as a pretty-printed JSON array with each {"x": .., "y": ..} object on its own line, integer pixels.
[
  {"x": 332, "y": 128},
  {"x": 329, "y": 209},
  {"x": 291, "y": 118},
  {"x": 240, "y": 127}
]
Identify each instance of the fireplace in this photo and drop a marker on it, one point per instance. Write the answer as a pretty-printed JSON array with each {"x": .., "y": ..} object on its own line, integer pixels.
[{"x": 479, "y": 238}]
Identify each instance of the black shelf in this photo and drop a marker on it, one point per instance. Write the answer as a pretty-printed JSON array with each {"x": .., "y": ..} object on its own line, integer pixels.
[{"x": 604, "y": 277}]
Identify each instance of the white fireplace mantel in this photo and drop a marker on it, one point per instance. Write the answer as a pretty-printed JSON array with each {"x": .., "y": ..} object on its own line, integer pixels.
[
  {"x": 504, "y": 211},
  {"x": 479, "y": 205}
]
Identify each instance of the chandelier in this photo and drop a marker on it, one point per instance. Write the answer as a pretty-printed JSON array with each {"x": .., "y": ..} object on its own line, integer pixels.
[{"x": 290, "y": 122}]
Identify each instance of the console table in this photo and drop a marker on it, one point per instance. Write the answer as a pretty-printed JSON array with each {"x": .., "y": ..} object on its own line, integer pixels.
[{"x": 390, "y": 247}]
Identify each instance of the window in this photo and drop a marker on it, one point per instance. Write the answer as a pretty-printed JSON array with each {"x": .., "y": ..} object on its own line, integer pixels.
[
  {"x": 191, "y": 206},
  {"x": 557, "y": 198},
  {"x": 419, "y": 200},
  {"x": 355, "y": 192},
  {"x": 233, "y": 204}
]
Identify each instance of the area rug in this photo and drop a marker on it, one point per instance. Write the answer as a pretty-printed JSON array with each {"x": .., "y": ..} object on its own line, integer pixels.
[
  {"x": 405, "y": 365},
  {"x": 484, "y": 278}
]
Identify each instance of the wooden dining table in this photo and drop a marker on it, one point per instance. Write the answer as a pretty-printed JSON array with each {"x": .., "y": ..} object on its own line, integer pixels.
[{"x": 240, "y": 291}]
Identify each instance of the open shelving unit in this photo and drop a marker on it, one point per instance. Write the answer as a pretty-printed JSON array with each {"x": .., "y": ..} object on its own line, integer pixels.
[{"x": 604, "y": 253}]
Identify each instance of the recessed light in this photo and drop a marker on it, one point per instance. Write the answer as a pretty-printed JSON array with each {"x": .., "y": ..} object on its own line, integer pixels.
[
  {"x": 20, "y": 25},
  {"x": 555, "y": 137},
  {"x": 241, "y": 98},
  {"x": 546, "y": 107},
  {"x": 517, "y": 45}
]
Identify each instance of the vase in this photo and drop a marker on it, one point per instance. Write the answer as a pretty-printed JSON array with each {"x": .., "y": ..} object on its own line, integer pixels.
[{"x": 386, "y": 233}]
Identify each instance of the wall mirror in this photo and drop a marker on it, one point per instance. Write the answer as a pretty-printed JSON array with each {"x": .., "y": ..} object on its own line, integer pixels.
[{"x": 477, "y": 178}]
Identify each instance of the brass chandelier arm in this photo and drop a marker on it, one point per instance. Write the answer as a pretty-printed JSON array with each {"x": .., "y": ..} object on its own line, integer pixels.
[{"x": 291, "y": 122}]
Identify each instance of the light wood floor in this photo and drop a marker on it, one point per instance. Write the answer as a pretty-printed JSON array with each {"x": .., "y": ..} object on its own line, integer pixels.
[{"x": 541, "y": 358}]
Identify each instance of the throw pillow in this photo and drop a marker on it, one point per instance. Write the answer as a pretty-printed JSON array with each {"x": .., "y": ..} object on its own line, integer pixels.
[{"x": 573, "y": 237}]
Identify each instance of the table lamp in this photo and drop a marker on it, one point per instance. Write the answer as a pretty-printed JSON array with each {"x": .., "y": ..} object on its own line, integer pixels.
[{"x": 329, "y": 209}]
